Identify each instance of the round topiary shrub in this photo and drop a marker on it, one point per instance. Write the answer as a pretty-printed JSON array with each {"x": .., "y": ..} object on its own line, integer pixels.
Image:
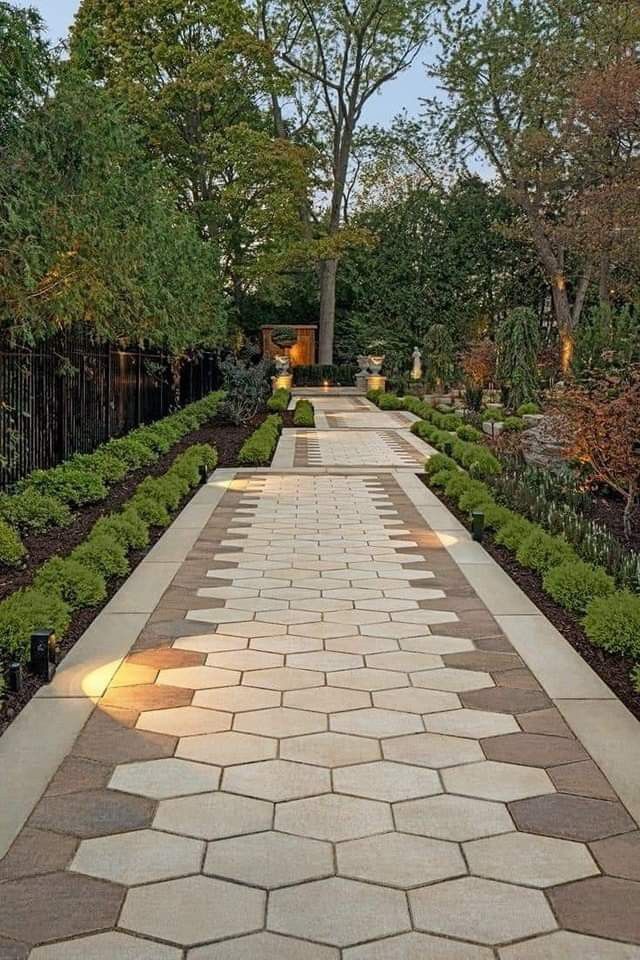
[
  {"x": 12, "y": 551},
  {"x": 613, "y": 623},
  {"x": 76, "y": 583},
  {"x": 541, "y": 551},
  {"x": 513, "y": 533},
  {"x": 575, "y": 584}
]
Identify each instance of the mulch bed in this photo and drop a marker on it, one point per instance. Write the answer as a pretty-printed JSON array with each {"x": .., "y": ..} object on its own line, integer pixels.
[
  {"x": 612, "y": 668},
  {"x": 227, "y": 439}
]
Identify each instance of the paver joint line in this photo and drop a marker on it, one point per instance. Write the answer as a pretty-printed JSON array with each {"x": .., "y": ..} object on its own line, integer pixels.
[{"x": 318, "y": 741}]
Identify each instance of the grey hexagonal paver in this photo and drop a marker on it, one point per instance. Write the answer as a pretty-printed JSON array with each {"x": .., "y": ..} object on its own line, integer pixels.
[
  {"x": 417, "y": 946},
  {"x": 193, "y": 910},
  {"x": 277, "y": 780},
  {"x": 333, "y": 817},
  {"x": 492, "y": 912},
  {"x": 338, "y": 912},
  {"x": 263, "y": 946},
  {"x": 399, "y": 860},
  {"x": 280, "y": 722},
  {"x": 160, "y": 779},
  {"x": 569, "y": 946},
  {"x": 432, "y": 750},
  {"x": 531, "y": 860},
  {"x": 453, "y": 818},
  {"x": 209, "y": 816},
  {"x": 226, "y": 748},
  {"x": 141, "y": 856},
  {"x": 330, "y": 749},
  {"x": 386, "y": 781},
  {"x": 374, "y": 722},
  {"x": 269, "y": 859},
  {"x": 107, "y": 946}
]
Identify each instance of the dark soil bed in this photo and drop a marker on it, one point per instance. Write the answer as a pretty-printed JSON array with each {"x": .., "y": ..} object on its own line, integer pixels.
[
  {"x": 612, "y": 668},
  {"x": 227, "y": 439}
]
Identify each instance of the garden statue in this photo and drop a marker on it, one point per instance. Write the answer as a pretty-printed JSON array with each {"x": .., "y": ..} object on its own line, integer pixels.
[
  {"x": 282, "y": 363},
  {"x": 416, "y": 370}
]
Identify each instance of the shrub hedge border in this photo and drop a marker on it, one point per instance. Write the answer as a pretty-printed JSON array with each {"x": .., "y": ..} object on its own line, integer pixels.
[
  {"x": 258, "y": 449},
  {"x": 304, "y": 414}
]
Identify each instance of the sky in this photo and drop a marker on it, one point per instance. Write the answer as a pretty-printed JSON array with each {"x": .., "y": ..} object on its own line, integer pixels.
[{"x": 402, "y": 93}]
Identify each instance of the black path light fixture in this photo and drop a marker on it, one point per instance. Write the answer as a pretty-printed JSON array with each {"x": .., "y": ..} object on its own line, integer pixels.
[
  {"x": 204, "y": 475},
  {"x": 14, "y": 677},
  {"x": 44, "y": 653},
  {"x": 477, "y": 526}
]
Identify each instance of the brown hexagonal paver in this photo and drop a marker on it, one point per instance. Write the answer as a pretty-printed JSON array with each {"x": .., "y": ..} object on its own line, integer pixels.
[
  {"x": 37, "y": 851},
  {"x": 619, "y": 856},
  {"x": 146, "y": 696},
  {"x": 572, "y": 818},
  {"x": 58, "y": 905},
  {"x": 11, "y": 950},
  {"x": 600, "y": 906},
  {"x": 505, "y": 700},
  {"x": 107, "y": 737},
  {"x": 533, "y": 749},
  {"x": 583, "y": 778},
  {"x": 94, "y": 813}
]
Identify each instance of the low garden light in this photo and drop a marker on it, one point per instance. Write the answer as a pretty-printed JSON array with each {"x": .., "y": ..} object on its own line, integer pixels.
[
  {"x": 44, "y": 653},
  {"x": 204, "y": 476},
  {"x": 477, "y": 526},
  {"x": 14, "y": 677}
]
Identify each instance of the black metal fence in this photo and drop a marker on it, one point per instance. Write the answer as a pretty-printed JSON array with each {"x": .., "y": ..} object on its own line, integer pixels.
[{"x": 69, "y": 394}]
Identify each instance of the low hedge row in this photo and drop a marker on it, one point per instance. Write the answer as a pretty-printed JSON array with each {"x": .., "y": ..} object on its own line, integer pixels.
[
  {"x": 279, "y": 401},
  {"x": 46, "y": 497},
  {"x": 304, "y": 415},
  {"x": 610, "y": 617},
  {"x": 65, "y": 584},
  {"x": 258, "y": 449},
  {"x": 317, "y": 375}
]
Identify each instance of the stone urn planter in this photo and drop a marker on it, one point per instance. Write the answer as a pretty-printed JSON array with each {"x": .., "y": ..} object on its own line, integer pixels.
[
  {"x": 363, "y": 363},
  {"x": 375, "y": 364}
]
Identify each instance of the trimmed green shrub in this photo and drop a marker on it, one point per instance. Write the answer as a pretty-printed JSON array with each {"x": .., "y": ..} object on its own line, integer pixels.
[
  {"x": 440, "y": 479},
  {"x": 131, "y": 451},
  {"x": 574, "y": 584},
  {"x": 541, "y": 551},
  {"x": 469, "y": 433},
  {"x": 152, "y": 512},
  {"x": 260, "y": 446},
  {"x": 12, "y": 551},
  {"x": 303, "y": 415},
  {"x": 110, "y": 468},
  {"x": 70, "y": 483},
  {"x": 34, "y": 511},
  {"x": 635, "y": 678},
  {"x": 28, "y": 610},
  {"x": 527, "y": 409},
  {"x": 613, "y": 623},
  {"x": 279, "y": 401},
  {"x": 457, "y": 484},
  {"x": 77, "y": 584},
  {"x": 103, "y": 553},
  {"x": 493, "y": 415},
  {"x": 514, "y": 532},
  {"x": 389, "y": 401},
  {"x": 128, "y": 528},
  {"x": 479, "y": 461},
  {"x": 439, "y": 461},
  {"x": 475, "y": 495},
  {"x": 495, "y": 515}
]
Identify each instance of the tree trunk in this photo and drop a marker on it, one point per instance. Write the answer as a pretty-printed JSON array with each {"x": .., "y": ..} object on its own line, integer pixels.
[
  {"x": 564, "y": 319},
  {"x": 630, "y": 509},
  {"x": 328, "y": 271}
]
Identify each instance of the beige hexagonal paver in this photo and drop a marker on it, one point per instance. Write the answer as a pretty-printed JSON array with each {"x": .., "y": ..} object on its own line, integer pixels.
[
  {"x": 161, "y": 779},
  {"x": 411, "y": 700},
  {"x": 471, "y": 723},
  {"x": 563, "y": 945},
  {"x": 323, "y": 630},
  {"x": 236, "y": 699},
  {"x": 283, "y": 678},
  {"x": 338, "y": 912},
  {"x": 449, "y": 817},
  {"x": 287, "y": 617},
  {"x": 263, "y": 946},
  {"x": 367, "y": 679},
  {"x": 224, "y": 749},
  {"x": 277, "y": 780},
  {"x": 491, "y": 780},
  {"x": 529, "y": 859},
  {"x": 393, "y": 631},
  {"x": 193, "y": 910},
  {"x": 280, "y": 722},
  {"x": 184, "y": 721},
  {"x": 432, "y": 750},
  {"x": 399, "y": 860},
  {"x": 198, "y": 678},
  {"x": 383, "y": 780},
  {"x": 330, "y": 749},
  {"x": 491, "y": 913},
  {"x": 362, "y": 645},
  {"x": 210, "y": 643},
  {"x": 405, "y": 660},
  {"x": 218, "y": 615},
  {"x": 106, "y": 946},
  {"x": 245, "y": 660},
  {"x": 450, "y": 678},
  {"x": 325, "y": 660},
  {"x": 253, "y": 629},
  {"x": 417, "y": 946},
  {"x": 141, "y": 856},
  {"x": 321, "y": 604},
  {"x": 374, "y": 722},
  {"x": 333, "y": 817},
  {"x": 425, "y": 617},
  {"x": 436, "y": 644},
  {"x": 286, "y": 644},
  {"x": 269, "y": 859},
  {"x": 209, "y": 816},
  {"x": 326, "y": 699},
  {"x": 256, "y": 604}
]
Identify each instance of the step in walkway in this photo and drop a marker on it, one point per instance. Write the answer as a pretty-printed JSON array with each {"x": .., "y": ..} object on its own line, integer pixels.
[{"x": 327, "y": 742}]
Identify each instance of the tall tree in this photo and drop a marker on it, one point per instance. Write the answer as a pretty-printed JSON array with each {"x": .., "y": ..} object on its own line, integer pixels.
[
  {"x": 509, "y": 72},
  {"x": 339, "y": 54},
  {"x": 25, "y": 65}
]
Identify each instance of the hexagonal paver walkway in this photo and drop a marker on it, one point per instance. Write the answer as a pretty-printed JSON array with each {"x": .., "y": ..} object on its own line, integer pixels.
[{"x": 322, "y": 746}]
